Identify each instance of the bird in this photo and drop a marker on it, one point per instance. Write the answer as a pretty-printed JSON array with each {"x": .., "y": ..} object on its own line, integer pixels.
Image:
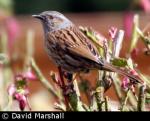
[{"x": 70, "y": 49}]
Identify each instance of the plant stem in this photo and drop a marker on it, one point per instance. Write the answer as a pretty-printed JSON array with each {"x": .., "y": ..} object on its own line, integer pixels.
[
  {"x": 8, "y": 107},
  {"x": 132, "y": 99},
  {"x": 124, "y": 102},
  {"x": 63, "y": 87},
  {"x": 116, "y": 51},
  {"x": 134, "y": 33},
  {"x": 29, "y": 49},
  {"x": 5, "y": 70},
  {"x": 100, "y": 91},
  {"x": 144, "y": 38},
  {"x": 117, "y": 88},
  {"x": 79, "y": 106},
  {"x": 141, "y": 101},
  {"x": 118, "y": 91},
  {"x": 106, "y": 104},
  {"x": 118, "y": 43},
  {"x": 42, "y": 79}
]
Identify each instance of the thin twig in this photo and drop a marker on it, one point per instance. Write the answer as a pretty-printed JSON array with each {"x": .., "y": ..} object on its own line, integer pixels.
[
  {"x": 144, "y": 38},
  {"x": 63, "y": 87},
  {"x": 100, "y": 91},
  {"x": 116, "y": 51},
  {"x": 118, "y": 91},
  {"x": 29, "y": 49},
  {"x": 42, "y": 79},
  {"x": 117, "y": 88},
  {"x": 134, "y": 33},
  {"x": 141, "y": 101},
  {"x": 118, "y": 43},
  {"x": 8, "y": 107},
  {"x": 7, "y": 73},
  {"x": 60, "y": 107},
  {"x": 79, "y": 103},
  {"x": 124, "y": 102},
  {"x": 132, "y": 99},
  {"x": 106, "y": 104}
]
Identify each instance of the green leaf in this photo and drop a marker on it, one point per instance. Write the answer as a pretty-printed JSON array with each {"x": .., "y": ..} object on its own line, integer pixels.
[{"x": 121, "y": 62}]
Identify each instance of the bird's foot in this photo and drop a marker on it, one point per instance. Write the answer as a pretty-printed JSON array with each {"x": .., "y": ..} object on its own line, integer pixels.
[{"x": 67, "y": 89}]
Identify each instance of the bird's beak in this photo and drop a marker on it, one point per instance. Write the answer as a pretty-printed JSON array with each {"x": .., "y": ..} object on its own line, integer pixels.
[{"x": 38, "y": 17}]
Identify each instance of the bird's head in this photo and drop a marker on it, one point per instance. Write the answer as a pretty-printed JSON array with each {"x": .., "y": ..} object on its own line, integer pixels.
[{"x": 53, "y": 20}]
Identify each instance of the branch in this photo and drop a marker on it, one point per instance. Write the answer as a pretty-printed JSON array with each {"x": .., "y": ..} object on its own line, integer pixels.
[
  {"x": 141, "y": 101},
  {"x": 106, "y": 104},
  {"x": 100, "y": 91},
  {"x": 118, "y": 43},
  {"x": 79, "y": 106},
  {"x": 116, "y": 51},
  {"x": 124, "y": 102},
  {"x": 42, "y": 79},
  {"x": 134, "y": 33}
]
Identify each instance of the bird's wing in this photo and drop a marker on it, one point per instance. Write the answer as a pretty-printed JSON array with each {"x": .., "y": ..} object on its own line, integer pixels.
[
  {"x": 74, "y": 41},
  {"x": 80, "y": 45}
]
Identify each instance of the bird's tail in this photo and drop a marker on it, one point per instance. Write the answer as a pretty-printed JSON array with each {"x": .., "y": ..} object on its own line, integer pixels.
[{"x": 112, "y": 68}]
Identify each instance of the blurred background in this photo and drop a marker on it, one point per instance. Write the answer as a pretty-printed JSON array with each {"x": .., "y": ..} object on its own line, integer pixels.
[
  {"x": 16, "y": 21},
  {"x": 24, "y": 7}
]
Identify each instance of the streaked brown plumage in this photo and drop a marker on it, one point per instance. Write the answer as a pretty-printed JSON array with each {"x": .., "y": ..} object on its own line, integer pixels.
[{"x": 69, "y": 48}]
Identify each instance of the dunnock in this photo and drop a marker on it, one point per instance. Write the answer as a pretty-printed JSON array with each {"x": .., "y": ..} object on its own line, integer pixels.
[{"x": 69, "y": 48}]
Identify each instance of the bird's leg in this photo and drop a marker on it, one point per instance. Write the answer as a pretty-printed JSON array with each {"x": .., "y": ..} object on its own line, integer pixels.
[
  {"x": 70, "y": 76},
  {"x": 62, "y": 85},
  {"x": 69, "y": 86},
  {"x": 73, "y": 92}
]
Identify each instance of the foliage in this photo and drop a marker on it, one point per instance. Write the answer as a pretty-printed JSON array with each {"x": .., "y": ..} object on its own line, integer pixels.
[{"x": 69, "y": 97}]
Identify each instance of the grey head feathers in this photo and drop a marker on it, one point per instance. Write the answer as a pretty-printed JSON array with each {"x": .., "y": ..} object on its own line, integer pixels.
[{"x": 53, "y": 20}]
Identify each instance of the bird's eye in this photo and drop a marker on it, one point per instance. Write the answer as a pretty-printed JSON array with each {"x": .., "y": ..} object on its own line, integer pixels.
[{"x": 50, "y": 17}]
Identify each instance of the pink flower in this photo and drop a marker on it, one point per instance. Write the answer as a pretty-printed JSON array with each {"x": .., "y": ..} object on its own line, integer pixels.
[
  {"x": 19, "y": 90},
  {"x": 128, "y": 23},
  {"x": 19, "y": 77},
  {"x": 29, "y": 75},
  {"x": 134, "y": 53},
  {"x": 145, "y": 4},
  {"x": 13, "y": 29},
  {"x": 133, "y": 72},
  {"x": 112, "y": 32},
  {"x": 22, "y": 99},
  {"x": 125, "y": 83}
]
